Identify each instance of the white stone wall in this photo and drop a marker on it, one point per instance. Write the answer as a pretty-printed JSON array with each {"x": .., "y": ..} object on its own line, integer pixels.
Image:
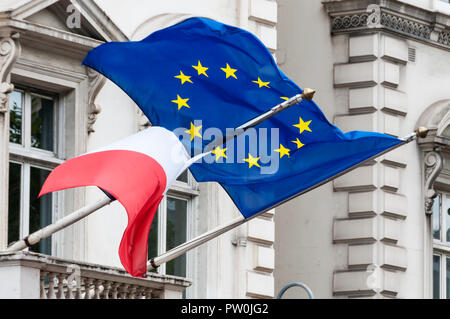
[{"x": 238, "y": 264}]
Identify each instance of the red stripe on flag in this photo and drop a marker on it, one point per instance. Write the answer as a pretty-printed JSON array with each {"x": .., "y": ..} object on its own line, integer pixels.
[{"x": 136, "y": 180}]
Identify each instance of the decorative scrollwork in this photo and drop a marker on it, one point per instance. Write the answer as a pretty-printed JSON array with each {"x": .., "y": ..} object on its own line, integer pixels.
[
  {"x": 403, "y": 25},
  {"x": 433, "y": 166},
  {"x": 374, "y": 18},
  {"x": 349, "y": 22},
  {"x": 444, "y": 38},
  {"x": 143, "y": 121}
]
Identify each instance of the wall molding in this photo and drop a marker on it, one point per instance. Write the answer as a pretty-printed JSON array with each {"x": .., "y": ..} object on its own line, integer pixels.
[{"x": 9, "y": 51}]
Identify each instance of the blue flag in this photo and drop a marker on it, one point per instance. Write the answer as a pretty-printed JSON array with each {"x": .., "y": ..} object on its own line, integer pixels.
[{"x": 202, "y": 78}]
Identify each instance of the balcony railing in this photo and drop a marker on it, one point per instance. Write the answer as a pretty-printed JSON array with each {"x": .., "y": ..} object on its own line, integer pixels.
[{"x": 32, "y": 275}]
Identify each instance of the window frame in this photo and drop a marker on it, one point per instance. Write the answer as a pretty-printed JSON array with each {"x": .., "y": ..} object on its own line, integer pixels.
[
  {"x": 182, "y": 191},
  {"x": 28, "y": 156}
]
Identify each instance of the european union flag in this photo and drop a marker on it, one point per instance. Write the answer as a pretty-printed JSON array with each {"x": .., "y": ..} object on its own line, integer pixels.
[{"x": 207, "y": 77}]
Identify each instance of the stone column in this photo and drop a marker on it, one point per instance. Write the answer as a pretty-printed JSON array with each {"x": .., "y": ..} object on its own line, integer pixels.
[
  {"x": 9, "y": 51},
  {"x": 260, "y": 18}
]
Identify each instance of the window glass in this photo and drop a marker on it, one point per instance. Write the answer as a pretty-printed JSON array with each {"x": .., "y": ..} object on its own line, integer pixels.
[
  {"x": 14, "y": 202},
  {"x": 183, "y": 177},
  {"x": 176, "y": 234},
  {"x": 436, "y": 275},
  {"x": 448, "y": 278},
  {"x": 15, "y": 117},
  {"x": 436, "y": 218},
  {"x": 40, "y": 208},
  {"x": 42, "y": 118},
  {"x": 446, "y": 215}
]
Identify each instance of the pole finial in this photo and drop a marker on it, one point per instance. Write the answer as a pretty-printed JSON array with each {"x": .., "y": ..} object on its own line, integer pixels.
[
  {"x": 422, "y": 132},
  {"x": 308, "y": 94}
]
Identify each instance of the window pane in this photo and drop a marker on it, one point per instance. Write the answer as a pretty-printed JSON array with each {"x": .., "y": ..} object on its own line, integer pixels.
[
  {"x": 42, "y": 123},
  {"x": 14, "y": 202},
  {"x": 176, "y": 234},
  {"x": 436, "y": 276},
  {"x": 15, "y": 117},
  {"x": 448, "y": 278},
  {"x": 40, "y": 209},
  {"x": 436, "y": 218},
  {"x": 183, "y": 177},
  {"x": 152, "y": 248}
]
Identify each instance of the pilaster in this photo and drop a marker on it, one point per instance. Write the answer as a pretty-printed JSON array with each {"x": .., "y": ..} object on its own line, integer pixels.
[
  {"x": 9, "y": 51},
  {"x": 260, "y": 18}
]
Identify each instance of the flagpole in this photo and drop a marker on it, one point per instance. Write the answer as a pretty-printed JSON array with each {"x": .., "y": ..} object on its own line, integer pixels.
[
  {"x": 47, "y": 231},
  {"x": 195, "y": 242}
]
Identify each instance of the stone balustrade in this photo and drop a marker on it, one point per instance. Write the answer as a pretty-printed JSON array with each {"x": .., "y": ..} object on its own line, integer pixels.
[{"x": 32, "y": 275}]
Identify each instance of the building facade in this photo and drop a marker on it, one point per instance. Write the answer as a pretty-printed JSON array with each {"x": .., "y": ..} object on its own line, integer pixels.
[
  {"x": 377, "y": 65},
  {"x": 54, "y": 109}
]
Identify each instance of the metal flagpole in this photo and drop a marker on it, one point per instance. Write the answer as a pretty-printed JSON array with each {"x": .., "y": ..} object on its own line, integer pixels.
[
  {"x": 195, "y": 242},
  {"x": 47, "y": 231}
]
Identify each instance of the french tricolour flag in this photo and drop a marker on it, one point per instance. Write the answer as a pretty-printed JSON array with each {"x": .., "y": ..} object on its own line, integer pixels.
[{"x": 137, "y": 171}]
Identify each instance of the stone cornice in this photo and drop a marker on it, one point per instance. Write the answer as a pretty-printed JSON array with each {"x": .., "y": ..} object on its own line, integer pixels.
[
  {"x": 9, "y": 51},
  {"x": 69, "y": 43},
  {"x": 392, "y": 16}
]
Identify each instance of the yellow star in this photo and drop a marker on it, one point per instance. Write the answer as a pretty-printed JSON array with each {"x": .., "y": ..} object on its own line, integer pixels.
[
  {"x": 183, "y": 78},
  {"x": 194, "y": 131},
  {"x": 284, "y": 98},
  {"x": 219, "y": 152},
  {"x": 229, "y": 71},
  {"x": 261, "y": 83},
  {"x": 252, "y": 160},
  {"x": 303, "y": 126},
  {"x": 283, "y": 151},
  {"x": 299, "y": 144},
  {"x": 200, "y": 69},
  {"x": 181, "y": 102}
]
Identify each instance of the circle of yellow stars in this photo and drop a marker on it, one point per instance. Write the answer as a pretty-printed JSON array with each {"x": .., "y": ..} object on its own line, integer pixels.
[{"x": 230, "y": 72}]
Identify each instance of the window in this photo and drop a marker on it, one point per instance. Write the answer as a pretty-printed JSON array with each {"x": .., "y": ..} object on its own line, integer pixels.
[
  {"x": 33, "y": 136},
  {"x": 441, "y": 246},
  {"x": 171, "y": 225}
]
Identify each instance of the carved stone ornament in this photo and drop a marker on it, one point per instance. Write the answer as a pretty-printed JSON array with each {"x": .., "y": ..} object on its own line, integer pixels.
[
  {"x": 143, "y": 121},
  {"x": 433, "y": 166},
  {"x": 9, "y": 51},
  {"x": 96, "y": 82}
]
